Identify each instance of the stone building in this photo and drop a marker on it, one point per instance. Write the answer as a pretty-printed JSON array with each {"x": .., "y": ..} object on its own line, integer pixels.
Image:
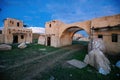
[
  {"x": 41, "y": 39},
  {"x": 14, "y": 32},
  {"x": 60, "y": 34},
  {"x": 108, "y": 29}
]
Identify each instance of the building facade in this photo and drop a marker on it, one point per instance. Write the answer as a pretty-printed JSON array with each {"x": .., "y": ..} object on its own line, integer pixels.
[
  {"x": 108, "y": 28},
  {"x": 14, "y": 32}
]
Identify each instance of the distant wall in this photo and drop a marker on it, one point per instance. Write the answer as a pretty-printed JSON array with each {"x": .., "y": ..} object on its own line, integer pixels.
[
  {"x": 35, "y": 36},
  {"x": 1, "y": 38},
  {"x": 41, "y": 40}
]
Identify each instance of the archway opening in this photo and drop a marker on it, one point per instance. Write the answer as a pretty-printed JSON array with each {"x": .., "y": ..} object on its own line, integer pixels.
[
  {"x": 68, "y": 34},
  {"x": 80, "y": 37}
]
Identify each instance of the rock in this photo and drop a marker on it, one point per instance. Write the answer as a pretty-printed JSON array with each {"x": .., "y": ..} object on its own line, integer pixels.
[
  {"x": 118, "y": 64},
  {"x": 102, "y": 71},
  {"x": 70, "y": 75},
  {"x": 97, "y": 59},
  {"x": 43, "y": 49},
  {"x": 27, "y": 42},
  {"x": 5, "y": 47},
  {"x": 96, "y": 44},
  {"x": 52, "y": 78},
  {"x": 77, "y": 63},
  {"x": 22, "y": 45},
  {"x": 2, "y": 66}
]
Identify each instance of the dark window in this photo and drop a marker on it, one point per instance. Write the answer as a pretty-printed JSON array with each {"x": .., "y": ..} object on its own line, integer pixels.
[
  {"x": 50, "y": 25},
  {"x": 22, "y": 37},
  {"x": 18, "y": 24},
  {"x": 48, "y": 41},
  {"x": 0, "y": 31},
  {"x": 114, "y": 37},
  {"x": 11, "y": 22},
  {"x": 100, "y": 36}
]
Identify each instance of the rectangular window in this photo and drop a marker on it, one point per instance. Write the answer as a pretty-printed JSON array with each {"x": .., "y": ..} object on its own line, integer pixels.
[
  {"x": 100, "y": 36},
  {"x": 114, "y": 37},
  {"x": 18, "y": 24},
  {"x": 22, "y": 37}
]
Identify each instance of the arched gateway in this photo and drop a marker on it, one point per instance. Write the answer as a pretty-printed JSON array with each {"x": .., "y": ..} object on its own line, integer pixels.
[
  {"x": 61, "y": 34},
  {"x": 107, "y": 28}
]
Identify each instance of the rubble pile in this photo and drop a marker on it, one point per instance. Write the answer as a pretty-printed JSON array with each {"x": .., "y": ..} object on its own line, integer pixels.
[{"x": 96, "y": 57}]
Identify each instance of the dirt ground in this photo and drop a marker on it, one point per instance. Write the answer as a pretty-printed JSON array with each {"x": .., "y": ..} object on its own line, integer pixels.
[{"x": 29, "y": 68}]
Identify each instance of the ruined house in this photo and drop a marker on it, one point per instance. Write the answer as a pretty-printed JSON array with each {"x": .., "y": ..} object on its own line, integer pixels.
[
  {"x": 14, "y": 32},
  {"x": 108, "y": 28}
]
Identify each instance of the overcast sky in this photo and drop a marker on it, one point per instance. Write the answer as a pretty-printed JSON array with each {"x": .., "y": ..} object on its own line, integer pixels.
[{"x": 37, "y": 12}]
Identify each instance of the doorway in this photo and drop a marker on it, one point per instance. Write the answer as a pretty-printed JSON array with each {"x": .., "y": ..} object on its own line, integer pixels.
[
  {"x": 48, "y": 41},
  {"x": 15, "y": 39}
]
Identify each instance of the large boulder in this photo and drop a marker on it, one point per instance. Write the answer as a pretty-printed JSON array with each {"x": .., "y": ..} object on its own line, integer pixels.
[
  {"x": 5, "y": 47},
  {"x": 97, "y": 59},
  {"x": 22, "y": 45},
  {"x": 96, "y": 44}
]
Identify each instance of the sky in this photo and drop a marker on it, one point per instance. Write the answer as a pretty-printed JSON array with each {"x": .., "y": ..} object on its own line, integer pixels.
[{"x": 36, "y": 13}]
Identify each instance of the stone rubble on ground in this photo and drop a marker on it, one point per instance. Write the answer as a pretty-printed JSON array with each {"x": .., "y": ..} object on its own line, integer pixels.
[
  {"x": 5, "y": 47},
  {"x": 118, "y": 64},
  {"x": 77, "y": 63},
  {"x": 52, "y": 78},
  {"x": 43, "y": 49},
  {"x": 2, "y": 66},
  {"x": 27, "y": 42},
  {"x": 96, "y": 57},
  {"x": 22, "y": 46},
  {"x": 96, "y": 44}
]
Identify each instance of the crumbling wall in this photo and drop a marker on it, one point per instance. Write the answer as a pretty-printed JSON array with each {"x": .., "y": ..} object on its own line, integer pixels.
[{"x": 1, "y": 38}]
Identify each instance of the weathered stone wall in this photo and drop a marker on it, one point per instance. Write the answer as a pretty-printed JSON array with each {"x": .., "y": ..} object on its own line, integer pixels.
[
  {"x": 36, "y": 36},
  {"x": 61, "y": 34},
  {"x": 41, "y": 40},
  {"x": 10, "y": 22},
  {"x": 1, "y": 38},
  {"x": 52, "y": 31},
  {"x": 105, "y": 21},
  {"x": 12, "y": 28},
  {"x": 112, "y": 47}
]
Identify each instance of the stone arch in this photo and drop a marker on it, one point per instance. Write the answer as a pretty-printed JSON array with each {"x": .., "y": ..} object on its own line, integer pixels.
[
  {"x": 67, "y": 34},
  {"x": 82, "y": 25}
]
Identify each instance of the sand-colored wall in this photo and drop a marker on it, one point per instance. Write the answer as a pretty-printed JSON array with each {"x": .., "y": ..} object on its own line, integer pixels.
[
  {"x": 61, "y": 35},
  {"x": 41, "y": 39},
  {"x": 11, "y": 29},
  {"x": 1, "y": 38},
  {"x": 112, "y": 47},
  {"x": 105, "y": 21}
]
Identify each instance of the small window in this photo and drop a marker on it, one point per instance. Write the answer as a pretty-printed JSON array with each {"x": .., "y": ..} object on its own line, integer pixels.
[
  {"x": 22, "y": 37},
  {"x": 18, "y": 24},
  {"x": 50, "y": 25},
  {"x": 0, "y": 31},
  {"x": 100, "y": 36},
  {"x": 11, "y": 22},
  {"x": 114, "y": 37}
]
